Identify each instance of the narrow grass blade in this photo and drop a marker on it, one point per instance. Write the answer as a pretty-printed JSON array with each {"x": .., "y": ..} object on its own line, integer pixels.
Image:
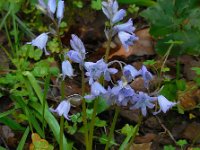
[
  {"x": 53, "y": 124},
  {"x": 7, "y": 113},
  {"x": 23, "y": 139}
]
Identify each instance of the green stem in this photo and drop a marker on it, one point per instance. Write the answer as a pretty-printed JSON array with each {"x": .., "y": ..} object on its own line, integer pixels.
[
  {"x": 62, "y": 117},
  {"x": 84, "y": 108},
  {"x": 112, "y": 127},
  {"x": 135, "y": 133},
  {"x": 108, "y": 49},
  {"x": 61, "y": 132},
  {"x": 91, "y": 132}
]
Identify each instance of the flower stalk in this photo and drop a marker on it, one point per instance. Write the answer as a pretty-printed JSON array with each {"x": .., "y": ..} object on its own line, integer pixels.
[{"x": 112, "y": 127}]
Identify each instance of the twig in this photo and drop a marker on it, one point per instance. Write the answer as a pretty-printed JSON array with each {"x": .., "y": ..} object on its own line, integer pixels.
[{"x": 165, "y": 128}]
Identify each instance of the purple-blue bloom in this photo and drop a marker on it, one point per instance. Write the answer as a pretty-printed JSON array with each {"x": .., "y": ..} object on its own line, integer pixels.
[
  {"x": 40, "y": 42},
  {"x": 110, "y": 9},
  {"x": 164, "y": 104},
  {"x": 63, "y": 109},
  {"x": 96, "y": 90},
  {"x": 142, "y": 101},
  {"x": 78, "y": 53},
  {"x": 125, "y": 27},
  {"x": 130, "y": 72},
  {"x": 60, "y": 10},
  {"x": 67, "y": 69},
  {"x": 123, "y": 92},
  {"x": 51, "y": 6},
  {"x": 146, "y": 75},
  {"x": 127, "y": 39},
  {"x": 96, "y": 70}
]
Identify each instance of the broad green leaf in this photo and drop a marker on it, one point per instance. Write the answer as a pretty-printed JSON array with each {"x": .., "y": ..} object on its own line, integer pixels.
[
  {"x": 138, "y": 2},
  {"x": 175, "y": 20}
]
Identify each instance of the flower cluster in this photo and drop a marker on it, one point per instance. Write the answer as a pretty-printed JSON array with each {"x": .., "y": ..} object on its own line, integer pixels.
[
  {"x": 41, "y": 40},
  {"x": 125, "y": 30},
  {"x": 50, "y": 8},
  {"x": 121, "y": 94}
]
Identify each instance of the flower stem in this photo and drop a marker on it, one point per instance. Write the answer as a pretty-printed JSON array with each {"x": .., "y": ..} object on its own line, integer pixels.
[
  {"x": 108, "y": 49},
  {"x": 112, "y": 127},
  {"x": 61, "y": 132},
  {"x": 62, "y": 117},
  {"x": 92, "y": 123},
  {"x": 136, "y": 131},
  {"x": 84, "y": 107}
]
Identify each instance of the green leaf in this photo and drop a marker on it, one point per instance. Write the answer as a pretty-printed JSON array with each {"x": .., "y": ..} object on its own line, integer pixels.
[
  {"x": 181, "y": 84},
  {"x": 53, "y": 124},
  {"x": 31, "y": 118},
  {"x": 138, "y": 2},
  {"x": 8, "y": 112},
  {"x": 169, "y": 91},
  {"x": 172, "y": 20},
  {"x": 12, "y": 124},
  {"x": 2, "y": 148},
  {"x": 169, "y": 147},
  {"x": 197, "y": 70},
  {"x": 99, "y": 122},
  {"x": 23, "y": 139},
  {"x": 96, "y": 4},
  {"x": 181, "y": 142},
  {"x": 102, "y": 105}
]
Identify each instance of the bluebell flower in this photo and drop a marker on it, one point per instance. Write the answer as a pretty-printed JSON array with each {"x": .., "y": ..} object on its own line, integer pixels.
[
  {"x": 63, "y": 109},
  {"x": 52, "y": 6},
  {"x": 146, "y": 75},
  {"x": 78, "y": 53},
  {"x": 98, "y": 69},
  {"x": 130, "y": 72},
  {"x": 164, "y": 104},
  {"x": 60, "y": 10},
  {"x": 142, "y": 101},
  {"x": 127, "y": 39},
  {"x": 110, "y": 97},
  {"x": 96, "y": 90},
  {"x": 125, "y": 27},
  {"x": 123, "y": 92},
  {"x": 40, "y": 42},
  {"x": 67, "y": 69},
  {"x": 110, "y": 9}
]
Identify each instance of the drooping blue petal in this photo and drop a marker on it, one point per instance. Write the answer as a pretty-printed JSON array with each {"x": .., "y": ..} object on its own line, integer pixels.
[
  {"x": 142, "y": 101},
  {"x": 97, "y": 89},
  {"x": 118, "y": 16},
  {"x": 40, "y": 42},
  {"x": 60, "y": 10},
  {"x": 63, "y": 109},
  {"x": 146, "y": 75},
  {"x": 165, "y": 104},
  {"x": 67, "y": 69},
  {"x": 130, "y": 72},
  {"x": 75, "y": 56},
  {"x": 52, "y": 6},
  {"x": 126, "y": 27},
  {"x": 127, "y": 39},
  {"x": 77, "y": 44}
]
